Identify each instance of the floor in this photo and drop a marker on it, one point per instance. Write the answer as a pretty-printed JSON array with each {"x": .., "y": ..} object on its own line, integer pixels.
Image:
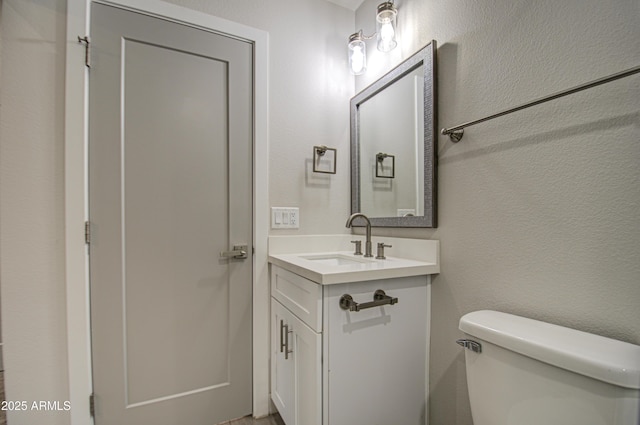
[{"x": 269, "y": 420}]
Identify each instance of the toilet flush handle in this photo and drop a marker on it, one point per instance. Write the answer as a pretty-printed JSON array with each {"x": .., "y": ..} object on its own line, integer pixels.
[{"x": 469, "y": 344}]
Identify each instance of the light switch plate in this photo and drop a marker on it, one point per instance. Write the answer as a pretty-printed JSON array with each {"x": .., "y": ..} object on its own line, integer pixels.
[{"x": 285, "y": 218}]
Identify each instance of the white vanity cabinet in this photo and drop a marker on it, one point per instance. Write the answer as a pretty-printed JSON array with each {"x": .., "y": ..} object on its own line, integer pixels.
[
  {"x": 348, "y": 367},
  {"x": 297, "y": 368}
]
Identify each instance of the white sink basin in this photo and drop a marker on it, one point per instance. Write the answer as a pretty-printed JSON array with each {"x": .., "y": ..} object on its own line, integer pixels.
[
  {"x": 329, "y": 259},
  {"x": 328, "y": 268},
  {"x": 335, "y": 259}
]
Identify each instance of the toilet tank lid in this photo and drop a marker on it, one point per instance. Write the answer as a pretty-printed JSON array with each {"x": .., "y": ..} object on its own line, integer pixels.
[{"x": 601, "y": 358}]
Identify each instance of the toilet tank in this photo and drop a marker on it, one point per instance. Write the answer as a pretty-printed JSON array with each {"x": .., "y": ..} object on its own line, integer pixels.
[{"x": 529, "y": 372}]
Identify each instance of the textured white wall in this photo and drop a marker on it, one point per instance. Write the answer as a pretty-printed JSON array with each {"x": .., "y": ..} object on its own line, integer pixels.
[
  {"x": 538, "y": 211},
  {"x": 309, "y": 92},
  {"x": 32, "y": 205}
]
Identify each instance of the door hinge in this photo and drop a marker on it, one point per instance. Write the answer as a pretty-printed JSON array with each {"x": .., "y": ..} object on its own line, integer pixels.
[
  {"x": 87, "y": 232},
  {"x": 92, "y": 405},
  {"x": 85, "y": 40}
]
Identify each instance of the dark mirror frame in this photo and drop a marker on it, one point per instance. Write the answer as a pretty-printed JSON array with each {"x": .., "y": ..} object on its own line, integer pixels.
[{"x": 425, "y": 57}]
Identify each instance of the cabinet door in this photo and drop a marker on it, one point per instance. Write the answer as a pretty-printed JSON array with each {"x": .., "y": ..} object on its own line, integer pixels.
[
  {"x": 376, "y": 357},
  {"x": 282, "y": 370},
  {"x": 295, "y": 375},
  {"x": 307, "y": 352}
]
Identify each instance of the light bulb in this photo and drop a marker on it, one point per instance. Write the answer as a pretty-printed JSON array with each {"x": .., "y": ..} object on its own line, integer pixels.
[
  {"x": 387, "y": 37},
  {"x": 357, "y": 54},
  {"x": 386, "y": 27},
  {"x": 357, "y": 60}
]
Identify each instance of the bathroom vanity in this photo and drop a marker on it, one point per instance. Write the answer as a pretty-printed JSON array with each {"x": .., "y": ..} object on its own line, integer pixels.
[{"x": 349, "y": 335}]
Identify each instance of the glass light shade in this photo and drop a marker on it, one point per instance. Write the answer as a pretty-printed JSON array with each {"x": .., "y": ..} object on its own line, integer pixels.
[
  {"x": 357, "y": 55},
  {"x": 386, "y": 27}
]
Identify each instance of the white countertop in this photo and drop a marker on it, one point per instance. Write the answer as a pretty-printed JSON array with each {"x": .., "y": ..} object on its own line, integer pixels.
[{"x": 288, "y": 253}]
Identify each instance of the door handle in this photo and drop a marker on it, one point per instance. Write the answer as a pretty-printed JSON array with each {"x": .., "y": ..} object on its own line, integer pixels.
[
  {"x": 284, "y": 339},
  {"x": 238, "y": 252},
  {"x": 287, "y": 351},
  {"x": 284, "y": 329},
  {"x": 379, "y": 299}
]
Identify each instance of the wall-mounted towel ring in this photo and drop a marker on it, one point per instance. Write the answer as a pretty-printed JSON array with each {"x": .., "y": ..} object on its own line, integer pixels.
[
  {"x": 385, "y": 169},
  {"x": 323, "y": 163}
]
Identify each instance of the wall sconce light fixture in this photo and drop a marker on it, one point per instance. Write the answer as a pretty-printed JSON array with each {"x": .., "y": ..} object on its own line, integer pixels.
[{"x": 386, "y": 32}]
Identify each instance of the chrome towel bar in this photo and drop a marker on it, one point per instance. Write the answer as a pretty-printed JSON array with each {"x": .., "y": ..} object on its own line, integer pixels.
[{"x": 456, "y": 133}]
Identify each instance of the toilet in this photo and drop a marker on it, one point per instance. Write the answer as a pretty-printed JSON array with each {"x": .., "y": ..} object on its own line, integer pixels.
[{"x": 526, "y": 372}]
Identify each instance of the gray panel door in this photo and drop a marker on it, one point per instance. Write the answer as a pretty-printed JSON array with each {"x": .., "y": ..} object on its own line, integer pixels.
[{"x": 170, "y": 154}]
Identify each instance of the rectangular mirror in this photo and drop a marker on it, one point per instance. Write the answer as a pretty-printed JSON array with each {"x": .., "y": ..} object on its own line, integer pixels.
[{"x": 393, "y": 145}]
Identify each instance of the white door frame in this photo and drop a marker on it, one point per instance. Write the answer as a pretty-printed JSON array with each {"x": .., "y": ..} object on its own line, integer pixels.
[{"x": 76, "y": 195}]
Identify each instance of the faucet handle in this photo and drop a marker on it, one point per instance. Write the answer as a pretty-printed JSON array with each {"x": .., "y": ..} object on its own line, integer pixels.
[
  {"x": 381, "y": 246},
  {"x": 358, "y": 247}
]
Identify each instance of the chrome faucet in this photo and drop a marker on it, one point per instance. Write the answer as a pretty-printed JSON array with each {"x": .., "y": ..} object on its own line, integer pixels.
[{"x": 367, "y": 246}]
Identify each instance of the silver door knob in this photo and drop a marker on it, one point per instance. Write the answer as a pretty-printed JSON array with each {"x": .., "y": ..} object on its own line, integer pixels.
[{"x": 238, "y": 252}]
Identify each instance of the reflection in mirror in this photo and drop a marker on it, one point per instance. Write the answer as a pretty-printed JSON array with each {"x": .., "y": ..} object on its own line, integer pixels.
[
  {"x": 389, "y": 123},
  {"x": 393, "y": 145}
]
